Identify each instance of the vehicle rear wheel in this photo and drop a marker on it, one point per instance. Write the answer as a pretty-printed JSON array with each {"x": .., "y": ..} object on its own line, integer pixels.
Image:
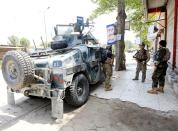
[
  {"x": 77, "y": 94},
  {"x": 17, "y": 69}
]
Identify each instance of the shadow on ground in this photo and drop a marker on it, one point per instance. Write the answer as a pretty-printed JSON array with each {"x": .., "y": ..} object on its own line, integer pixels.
[
  {"x": 97, "y": 114},
  {"x": 33, "y": 110}
]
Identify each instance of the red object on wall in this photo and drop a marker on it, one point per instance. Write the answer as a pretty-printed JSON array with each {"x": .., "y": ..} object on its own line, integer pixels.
[
  {"x": 166, "y": 24},
  {"x": 175, "y": 33},
  {"x": 153, "y": 10}
]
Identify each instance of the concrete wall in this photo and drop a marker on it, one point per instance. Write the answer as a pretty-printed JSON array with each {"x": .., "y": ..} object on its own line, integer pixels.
[
  {"x": 162, "y": 25},
  {"x": 172, "y": 76},
  {"x": 170, "y": 27}
]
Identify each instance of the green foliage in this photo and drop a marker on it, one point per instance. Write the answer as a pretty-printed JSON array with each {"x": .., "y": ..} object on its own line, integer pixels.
[
  {"x": 104, "y": 6},
  {"x": 135, "y": 14},
  {"x": 13, "y": 40},
  {"x": 24, "y": 42},
  {"x": 130, "y": 45},
  {"x": 113, "y": 49}
]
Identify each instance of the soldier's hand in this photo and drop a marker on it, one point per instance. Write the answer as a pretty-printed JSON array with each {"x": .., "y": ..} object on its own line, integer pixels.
[{"x": 155, "y": 67}]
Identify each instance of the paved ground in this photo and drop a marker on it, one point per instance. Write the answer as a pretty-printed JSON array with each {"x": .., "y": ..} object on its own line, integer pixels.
[
  {"x": 110, "y": 114},
  {"x": 125, "y": 89}
]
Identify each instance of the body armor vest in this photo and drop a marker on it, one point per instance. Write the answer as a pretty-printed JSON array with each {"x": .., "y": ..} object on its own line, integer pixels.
[{"x": 141, "y": 55}]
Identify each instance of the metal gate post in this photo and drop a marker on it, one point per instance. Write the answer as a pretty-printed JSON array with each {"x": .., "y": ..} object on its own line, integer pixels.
[
  {"x": 10, "y": 97},
  {"x": 57, "y": 108}
]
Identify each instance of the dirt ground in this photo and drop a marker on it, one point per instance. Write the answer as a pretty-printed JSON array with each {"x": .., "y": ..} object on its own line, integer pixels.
[{"x": 96, "y": 115}]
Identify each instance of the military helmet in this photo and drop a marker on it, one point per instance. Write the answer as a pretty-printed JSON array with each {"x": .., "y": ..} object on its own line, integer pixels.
[
  {"x": 109, "y": 54},
  {"x": 163, "y": 43},
  {"x": 109, "y": 47}
]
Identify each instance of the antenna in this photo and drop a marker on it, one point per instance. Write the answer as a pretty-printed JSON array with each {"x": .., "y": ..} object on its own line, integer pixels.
[
  {"x": 34, "y": 45},
  {"x": 43, "y": 42}
]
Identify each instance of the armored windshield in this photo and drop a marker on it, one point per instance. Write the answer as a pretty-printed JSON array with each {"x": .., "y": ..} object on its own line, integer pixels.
[{"x": 64, "y": 30}]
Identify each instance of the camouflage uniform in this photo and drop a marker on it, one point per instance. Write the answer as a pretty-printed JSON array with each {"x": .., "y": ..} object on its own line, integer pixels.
[
  {"x": 160, "y": 61},
  {"x": 108, "y": 72},
  {"x": 142, "y": 57},
  {"x": 161, "y": 65}
]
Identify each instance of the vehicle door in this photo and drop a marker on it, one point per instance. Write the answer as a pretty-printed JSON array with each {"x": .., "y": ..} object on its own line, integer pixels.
[{"x": 94, "y": 65}]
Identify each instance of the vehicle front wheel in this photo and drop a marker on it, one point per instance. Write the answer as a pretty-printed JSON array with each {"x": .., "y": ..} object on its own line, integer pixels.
[{"x": 77, "y": 94}]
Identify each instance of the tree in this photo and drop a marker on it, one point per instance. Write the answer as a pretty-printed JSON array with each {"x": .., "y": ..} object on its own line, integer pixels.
[
  {"x": 13, "y": 40},
  {"x": 136, "y": 16},
  {"x": 24, "y": 42},
  {"x": 120, "y": 46},
  {"x": 105, "y": 6}
]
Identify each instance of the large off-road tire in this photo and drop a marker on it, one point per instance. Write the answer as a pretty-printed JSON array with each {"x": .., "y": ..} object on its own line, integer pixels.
[
  {"x": 77, "y": 94},
  {"x": 17, "y": 69}
]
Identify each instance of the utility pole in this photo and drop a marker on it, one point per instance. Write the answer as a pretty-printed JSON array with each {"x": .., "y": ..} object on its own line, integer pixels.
[{"x": 44, "y": 14}]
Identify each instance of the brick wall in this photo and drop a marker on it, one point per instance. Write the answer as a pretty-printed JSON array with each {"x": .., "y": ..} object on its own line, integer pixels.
[{"x": 4, "y": 49}]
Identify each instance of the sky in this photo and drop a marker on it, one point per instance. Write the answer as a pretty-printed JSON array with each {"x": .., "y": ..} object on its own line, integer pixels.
[{"x": 25, "y": 18}]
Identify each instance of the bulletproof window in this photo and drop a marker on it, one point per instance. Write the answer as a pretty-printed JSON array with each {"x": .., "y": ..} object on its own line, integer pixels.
[
  {"x": 92, "y": 55},
  {"x": 77, "y": 57},
  {"x": 69, "y": 39}
]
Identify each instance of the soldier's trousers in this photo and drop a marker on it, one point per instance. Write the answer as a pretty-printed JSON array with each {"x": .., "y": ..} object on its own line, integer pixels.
[
  {"x": 141, "y": 67},
  {"x": 108, "y": 74},
  {"x": 158, "y": 76},
  {"x": 107, "y": 81}
]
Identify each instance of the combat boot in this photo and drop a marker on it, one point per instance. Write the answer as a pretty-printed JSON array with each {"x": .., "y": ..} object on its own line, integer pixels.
[
  {"x": 153, "y": 91},
  {"x": 135, "y": 79},
  {"x": 160, "y": 89},
  {"x": 108, "y": 89},
  {"x": 143, "y": 81}
]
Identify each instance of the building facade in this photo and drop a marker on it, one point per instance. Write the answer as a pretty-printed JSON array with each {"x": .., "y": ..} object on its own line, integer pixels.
[{"x": 168, "y": 10}]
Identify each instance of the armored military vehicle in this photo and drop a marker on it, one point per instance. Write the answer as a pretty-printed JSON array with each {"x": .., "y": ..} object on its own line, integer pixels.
[{"x": 65, "y": 71}]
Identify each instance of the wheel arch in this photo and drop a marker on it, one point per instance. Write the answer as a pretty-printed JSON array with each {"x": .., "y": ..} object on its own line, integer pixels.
[
  {"x": 84, "y": 73},
  {"x": 71, "y": 95}
]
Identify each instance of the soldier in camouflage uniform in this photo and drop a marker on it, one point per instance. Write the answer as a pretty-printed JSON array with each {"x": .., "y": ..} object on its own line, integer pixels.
[
  {"x": 160, "y": 62},
  {"x": 142, "y": 57},
  {"x": 108, "y": 68}
]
